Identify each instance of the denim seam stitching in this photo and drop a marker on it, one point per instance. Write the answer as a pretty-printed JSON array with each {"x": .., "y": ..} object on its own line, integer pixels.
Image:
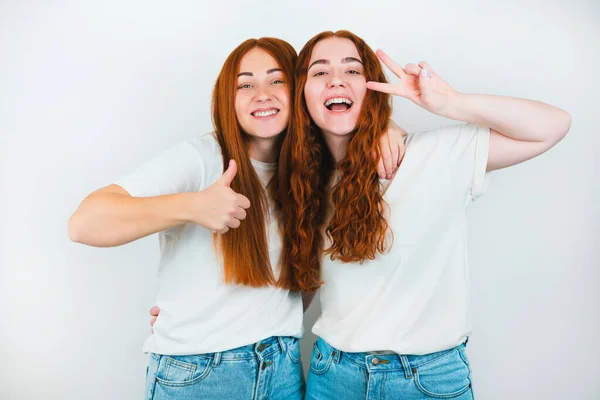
[
  {"x": 185, "y": 383},
  {"x": 439, "y": 396},
  {"x": 435, "y": 359},
  {"x": 327, "y": 365}
]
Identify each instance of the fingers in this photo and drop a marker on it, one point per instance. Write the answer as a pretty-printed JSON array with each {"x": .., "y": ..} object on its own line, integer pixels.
[
  {"x": 231, "y": 217},
  {"x": 394, "y": 159},
  {"x": 229, "y": 174},
  {"x": 401, "y": 152},
  {"x": 239, "y": 213},
  {"x": 425, "y": 65},
  {"x": 423, "y": 70},
  {"x": 154, "y": 311},
  {"x": 243, "y": 201},
  {"x": 234, "y": 223},
  {"x": 222, "y": 231},
  {"x": 381, "y": 168},
  {"x": 413, "y": 69},
  {"x": 382, "y": 87},
  {"x": 391, "y": 64},
  {"x": 234, "y": 220},
  {"x": 386, "y": 155}
]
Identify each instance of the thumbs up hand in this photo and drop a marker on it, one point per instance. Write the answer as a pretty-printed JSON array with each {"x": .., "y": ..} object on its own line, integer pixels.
[{"x": 218, "y": 207}]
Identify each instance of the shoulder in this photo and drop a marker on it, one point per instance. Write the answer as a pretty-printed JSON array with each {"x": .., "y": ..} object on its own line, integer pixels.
[
  {"x": 206, "y": 149},
  {"x": 205, "y": 144}
]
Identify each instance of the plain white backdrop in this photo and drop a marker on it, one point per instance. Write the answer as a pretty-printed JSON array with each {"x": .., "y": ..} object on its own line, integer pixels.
[{"x": 90, "y": 90}]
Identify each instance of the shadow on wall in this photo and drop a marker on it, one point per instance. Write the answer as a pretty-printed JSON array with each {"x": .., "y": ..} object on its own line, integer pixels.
[{"x": 309, "y": 338}]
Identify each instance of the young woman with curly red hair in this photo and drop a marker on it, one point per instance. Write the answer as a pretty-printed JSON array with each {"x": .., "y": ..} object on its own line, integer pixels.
[{"x": 394, "y": 279}]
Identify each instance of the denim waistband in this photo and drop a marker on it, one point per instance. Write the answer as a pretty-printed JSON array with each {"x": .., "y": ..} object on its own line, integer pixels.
[
  {"x": 383, "y": 362},
  {"x": 258, "y": 350}
]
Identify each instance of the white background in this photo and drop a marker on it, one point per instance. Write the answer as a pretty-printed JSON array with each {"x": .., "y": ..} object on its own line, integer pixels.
[{"x": 90, "y": 90}]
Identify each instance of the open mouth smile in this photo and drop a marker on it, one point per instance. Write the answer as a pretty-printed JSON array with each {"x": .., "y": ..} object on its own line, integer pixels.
[{"x": 338, "y": 104}]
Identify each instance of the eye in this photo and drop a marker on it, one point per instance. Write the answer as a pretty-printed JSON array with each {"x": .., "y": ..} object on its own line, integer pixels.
[
  {"x": 278, "y": 82},
  {"x": 353, "y": 72},
  {"x": 245, "y": 86},
  {"x": 320, "y": 73}
]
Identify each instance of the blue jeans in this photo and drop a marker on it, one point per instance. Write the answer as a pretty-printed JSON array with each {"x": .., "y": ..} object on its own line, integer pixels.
[
  {"x": 335, "y": 374},
  {"x": 269, "y": 369}
]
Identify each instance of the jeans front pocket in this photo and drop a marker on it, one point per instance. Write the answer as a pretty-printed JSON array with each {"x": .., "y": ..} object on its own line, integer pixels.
[
  {"x": 182, "y": 370},
  {"x": 321, "y": 359},
  {"x": 445, "y": 377},
  {"x": 293, "y": 349}
]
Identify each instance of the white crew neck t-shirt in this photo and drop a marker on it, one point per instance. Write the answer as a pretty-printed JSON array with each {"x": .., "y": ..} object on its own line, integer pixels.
[
  {"x": 199, "y": 312},
  {"x": 415, "y": 298}
]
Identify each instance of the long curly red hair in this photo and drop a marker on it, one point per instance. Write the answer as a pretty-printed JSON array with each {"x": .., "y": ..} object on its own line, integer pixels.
[
  {"x": 245, "y": 249},
  {"x": 357, "y": 228}
]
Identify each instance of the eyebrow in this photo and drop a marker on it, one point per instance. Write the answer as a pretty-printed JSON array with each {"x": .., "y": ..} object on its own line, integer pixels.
[
  {"x": 251, "y": 74},
  {"x": 344, "y": 61}
]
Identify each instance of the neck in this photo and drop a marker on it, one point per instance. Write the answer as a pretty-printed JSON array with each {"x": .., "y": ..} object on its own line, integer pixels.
[
  {"x": 263, "y": 149},
  {"x": 337, "y": 144}
]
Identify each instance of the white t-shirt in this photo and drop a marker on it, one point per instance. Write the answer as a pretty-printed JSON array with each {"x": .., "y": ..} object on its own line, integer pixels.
[
  {"x": 415, "y": 298},
  {"x": 199, "y": 312}
]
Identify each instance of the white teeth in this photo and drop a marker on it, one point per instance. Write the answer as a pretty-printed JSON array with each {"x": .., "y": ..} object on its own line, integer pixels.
[
  {"x": 338, "y": 100},
  {"x": 265, "y": 113}
]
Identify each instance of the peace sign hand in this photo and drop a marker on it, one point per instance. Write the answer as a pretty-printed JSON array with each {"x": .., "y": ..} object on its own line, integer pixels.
[{"x": 418, "y": 83}]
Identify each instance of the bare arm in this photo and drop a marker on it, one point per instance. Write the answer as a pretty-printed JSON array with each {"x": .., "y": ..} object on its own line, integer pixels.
[
  {"x": 521, "y": 129},
  {"x": 111, "y": 217}
]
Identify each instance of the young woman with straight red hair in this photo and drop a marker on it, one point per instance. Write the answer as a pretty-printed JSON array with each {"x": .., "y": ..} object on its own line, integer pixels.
[
  {"x": 231, "y": 314},
  {"x": 231, "y": 317},
  {"x": 389, "y": 257}
]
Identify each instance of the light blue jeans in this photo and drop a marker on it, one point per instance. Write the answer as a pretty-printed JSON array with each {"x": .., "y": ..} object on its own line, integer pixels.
[
  {"x": 335, "y": 374},
  {"x": 267, "y": 370}
]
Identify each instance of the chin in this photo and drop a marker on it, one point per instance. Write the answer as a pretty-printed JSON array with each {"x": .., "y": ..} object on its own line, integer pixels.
[
  {"x": 340, "y": 128},
  {"x": 342, "y": 131},
  {"x": 268, "y": 134}
]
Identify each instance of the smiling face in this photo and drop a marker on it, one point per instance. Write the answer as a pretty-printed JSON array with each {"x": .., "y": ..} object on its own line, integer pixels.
[
  {"x": 335, "y": 86},
  {"x": 262, "y": 100}
]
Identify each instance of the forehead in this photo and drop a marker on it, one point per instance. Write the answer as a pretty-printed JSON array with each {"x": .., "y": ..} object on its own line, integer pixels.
[
  {"x": 257, "y": 60},
  {"x": 334, "y": 49}
]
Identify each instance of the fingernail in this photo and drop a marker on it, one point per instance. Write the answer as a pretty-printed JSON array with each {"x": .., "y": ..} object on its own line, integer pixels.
[{"x": 424, "y": 73}]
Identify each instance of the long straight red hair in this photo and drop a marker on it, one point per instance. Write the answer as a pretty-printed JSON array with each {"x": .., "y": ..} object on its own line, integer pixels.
[
  {"x": 245, "y": 249},
  {"x": 357, "y": 227}
]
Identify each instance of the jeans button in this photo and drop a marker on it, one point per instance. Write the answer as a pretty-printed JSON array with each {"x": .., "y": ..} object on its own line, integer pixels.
[{"x": 375, "y": 361}]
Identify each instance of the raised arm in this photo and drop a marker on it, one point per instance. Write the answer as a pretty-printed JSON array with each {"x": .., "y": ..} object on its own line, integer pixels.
[{"x": 520, "y": 129}]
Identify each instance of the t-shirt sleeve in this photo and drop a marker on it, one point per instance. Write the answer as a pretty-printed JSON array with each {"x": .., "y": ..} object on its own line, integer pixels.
[
  {"x": 188, "y": 166},
  {"x": 467, "y": 148}
]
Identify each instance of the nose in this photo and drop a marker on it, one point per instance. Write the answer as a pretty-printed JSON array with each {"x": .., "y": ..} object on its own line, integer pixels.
[
  {"x": 335, "y": 80},
  {"x": 263, "y": 94}
]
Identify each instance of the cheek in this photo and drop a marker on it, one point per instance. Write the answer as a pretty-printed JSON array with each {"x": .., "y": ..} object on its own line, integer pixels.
[
  {"x": 312, "y": 95},
  {"x": 360, "y": 91},
  {"x": 283, "y": 95},
  {"x": 239, "y": 112}
]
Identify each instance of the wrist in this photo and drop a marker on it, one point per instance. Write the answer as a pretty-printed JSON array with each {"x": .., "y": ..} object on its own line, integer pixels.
[
  {"x": 182, "y": 206},
  {"x": 454, "y": 105}
]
